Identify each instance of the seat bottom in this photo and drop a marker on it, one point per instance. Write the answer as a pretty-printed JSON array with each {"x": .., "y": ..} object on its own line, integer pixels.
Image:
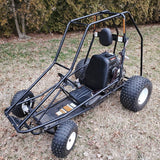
[{"x": 81, "y": 94}]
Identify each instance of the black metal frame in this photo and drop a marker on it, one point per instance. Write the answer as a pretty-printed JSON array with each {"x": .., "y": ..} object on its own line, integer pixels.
[{"x": 112, "y": 87}]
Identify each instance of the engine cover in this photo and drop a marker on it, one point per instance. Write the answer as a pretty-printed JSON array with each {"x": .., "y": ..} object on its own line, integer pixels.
[{"x": 99, "y": 71}]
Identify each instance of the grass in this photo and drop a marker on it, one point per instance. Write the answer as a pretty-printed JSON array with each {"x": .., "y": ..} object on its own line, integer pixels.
[
  {"x": 28, "y": 51},
  {"x": 108, "y": 132}
]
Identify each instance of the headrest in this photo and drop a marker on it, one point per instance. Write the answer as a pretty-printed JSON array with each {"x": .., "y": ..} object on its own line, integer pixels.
[{"x": 105, "y": 37}]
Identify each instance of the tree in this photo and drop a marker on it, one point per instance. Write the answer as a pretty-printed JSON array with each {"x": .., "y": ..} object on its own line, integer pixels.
[
  {"x": 19, "y": 12},
  {"x": 30, "y": 14}
]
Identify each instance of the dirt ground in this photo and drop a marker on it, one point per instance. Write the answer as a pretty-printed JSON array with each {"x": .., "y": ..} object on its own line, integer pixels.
[{"x": 108, "y": 132}]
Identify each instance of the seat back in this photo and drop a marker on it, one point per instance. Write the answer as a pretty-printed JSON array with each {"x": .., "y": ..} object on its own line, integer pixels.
[{"x": 96, "y": 75}]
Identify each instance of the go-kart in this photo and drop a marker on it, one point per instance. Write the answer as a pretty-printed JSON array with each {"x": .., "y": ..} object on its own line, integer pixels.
[{"x": 90, "y": 80}]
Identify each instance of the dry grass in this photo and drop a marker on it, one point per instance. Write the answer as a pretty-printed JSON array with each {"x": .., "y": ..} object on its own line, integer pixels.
[{"x": 108, "y": 132}]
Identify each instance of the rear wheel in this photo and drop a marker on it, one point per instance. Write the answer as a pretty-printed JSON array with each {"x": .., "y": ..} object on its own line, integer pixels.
[
  {"x": 136, "y": 93},
  {"x": 64, "y": 139},
  {"x": 81, "y": 68},
  {"x": 22, "y": 110}
]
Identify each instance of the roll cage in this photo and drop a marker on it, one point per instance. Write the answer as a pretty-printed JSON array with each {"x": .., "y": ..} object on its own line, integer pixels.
[{"x": 23, "y": 126}]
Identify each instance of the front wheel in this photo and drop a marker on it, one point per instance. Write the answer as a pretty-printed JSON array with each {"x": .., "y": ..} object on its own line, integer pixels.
[
  {"x": 64, "y": 139},
  {"x": 136, "y": 93},
  {"x": 21, "y": 110}
]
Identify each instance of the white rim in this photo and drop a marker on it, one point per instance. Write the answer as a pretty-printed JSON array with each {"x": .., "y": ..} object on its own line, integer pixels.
[
  {"x": 25, "y": 107},
  {"x": 71, "y": 140},
  {"x": 143, "y": 96}
]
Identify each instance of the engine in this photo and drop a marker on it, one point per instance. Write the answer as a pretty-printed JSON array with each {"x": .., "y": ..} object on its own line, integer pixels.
[{"x": 101, "y": 70}]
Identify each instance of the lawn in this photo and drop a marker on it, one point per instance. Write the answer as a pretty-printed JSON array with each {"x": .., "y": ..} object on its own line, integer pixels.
[{"x": 108, "y": 132}]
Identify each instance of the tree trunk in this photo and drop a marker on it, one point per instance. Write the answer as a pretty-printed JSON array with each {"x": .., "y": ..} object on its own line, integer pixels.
[
  {"x": 23, "y": 25},
  {"x": 20, "y": 35}
]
